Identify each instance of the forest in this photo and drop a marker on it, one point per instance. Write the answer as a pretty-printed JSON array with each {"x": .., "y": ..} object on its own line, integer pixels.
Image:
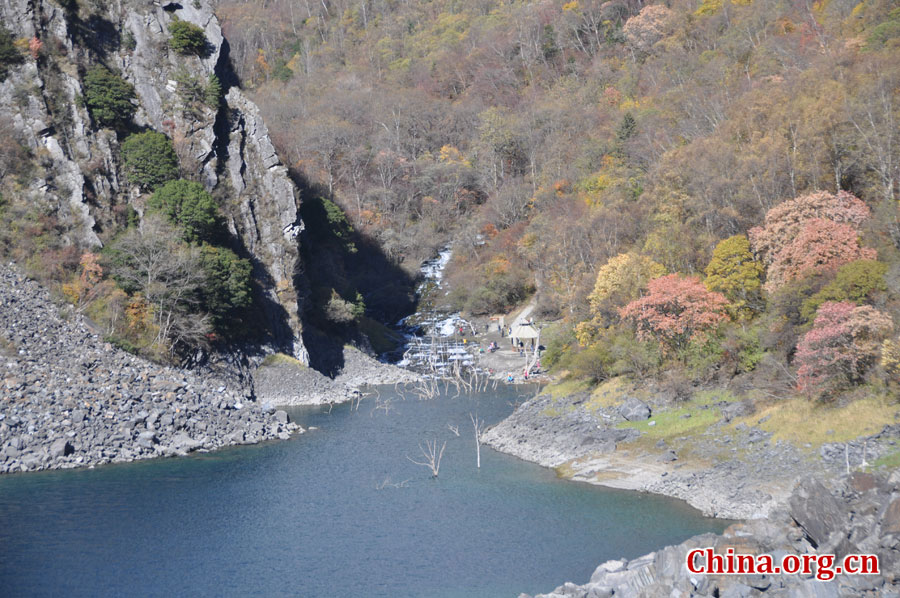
[
  {"x": 692, "y": 191},
  {"x": 697, "y": 190}
]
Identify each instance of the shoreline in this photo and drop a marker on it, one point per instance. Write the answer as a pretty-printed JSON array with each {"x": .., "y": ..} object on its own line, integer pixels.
[
  {"x": 785, "y": 502},
  {"x": 586, "y": 443},
  {"x": 71, "y": 400}
]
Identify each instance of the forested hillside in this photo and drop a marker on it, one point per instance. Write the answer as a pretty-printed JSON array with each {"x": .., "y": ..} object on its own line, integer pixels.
[{"x": 583, "y": 149}]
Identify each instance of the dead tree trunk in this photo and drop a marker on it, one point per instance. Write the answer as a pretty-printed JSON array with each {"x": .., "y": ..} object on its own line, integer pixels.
[
  {"x": 478, "y": 426},
  {"x": 432, "y": 456}
]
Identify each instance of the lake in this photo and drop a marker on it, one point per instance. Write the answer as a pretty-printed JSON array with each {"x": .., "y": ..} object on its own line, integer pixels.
[{"x": 338, "y": 511}]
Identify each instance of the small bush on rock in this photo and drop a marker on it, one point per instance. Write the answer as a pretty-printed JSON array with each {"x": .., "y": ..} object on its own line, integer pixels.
[
  {"x": 187, "y": 38},
  {"x": 108, "y": 97},
  {"x": 149, "y": 159},
  {"x": 9, "y": 54},
  {"x": 190, "y": 207}
]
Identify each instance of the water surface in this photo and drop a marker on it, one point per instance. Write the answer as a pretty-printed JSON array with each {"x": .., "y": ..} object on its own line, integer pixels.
[{"x": 306, "y": 517}]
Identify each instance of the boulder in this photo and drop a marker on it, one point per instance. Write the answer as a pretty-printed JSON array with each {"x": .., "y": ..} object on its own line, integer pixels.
[
  {"x": 282, "y": 417},
  {"x": 668, "y": 456},
  {"x": 183, "y": 442},
  {"x": 634, "y": 410},
  {"x": 60, "y": 448},
  {"x": 890, "y": 523},
  {"x": 146, "y": 439},
  {"x": 816, "y": 511}
]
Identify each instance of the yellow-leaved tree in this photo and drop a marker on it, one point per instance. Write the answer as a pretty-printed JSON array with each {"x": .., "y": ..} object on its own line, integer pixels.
[
  {"x": 734, "y": 272},
  {"x": 619, "y": 281}
]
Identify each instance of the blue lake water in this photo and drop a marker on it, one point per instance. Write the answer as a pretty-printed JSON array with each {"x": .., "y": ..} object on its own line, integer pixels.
[{"x": 305, "y": 517}]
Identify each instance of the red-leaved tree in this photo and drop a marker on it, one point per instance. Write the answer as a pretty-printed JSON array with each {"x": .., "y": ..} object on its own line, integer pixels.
[
  {"x": 675, "y": 310},
  {"x": 844, "y": 342},
  {"x": 784, "y": 221},
  {"x": 819, "y": 246}
]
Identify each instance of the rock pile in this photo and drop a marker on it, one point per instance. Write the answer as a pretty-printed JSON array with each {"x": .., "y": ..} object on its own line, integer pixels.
[
  {"x": 861, "y": 515},
  {"x": 289, "y": 383},
  {"x": 69, "y": 399}
]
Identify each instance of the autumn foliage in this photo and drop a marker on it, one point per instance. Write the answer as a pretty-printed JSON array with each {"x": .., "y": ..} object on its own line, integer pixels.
[
  {"x": 647, "y": 27},
  {"x": 786, "y": 220},
  {"x": 622, "y": 278},
  {"x": 842, "y": 345},
  {"x": 733, "y": 272},
  {"x": 676, "y": 310},
  {"x": 820, "y": 246}
]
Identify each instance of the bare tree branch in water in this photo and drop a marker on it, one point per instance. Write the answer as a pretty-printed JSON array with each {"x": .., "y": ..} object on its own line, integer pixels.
[
  {"x": 387, "y": 483},
  {"x": 432, "y": 456},
  {"x": 381, "y": 404},
  {"x": 478, "y": 425}
]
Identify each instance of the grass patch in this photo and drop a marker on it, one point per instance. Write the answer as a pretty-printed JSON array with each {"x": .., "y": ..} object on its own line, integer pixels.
[
  {"x": 610, "y": 393},
  {"x": 673, "y": 423},
  {"x": 564, "y": 388},
  {"x": 280, "y": 359},
  {"x": 888, "y": 461},
  {"x": 557, "y": 411},
  {"x": 689, "y": 418},
  {"x": 801, "y": 421}
]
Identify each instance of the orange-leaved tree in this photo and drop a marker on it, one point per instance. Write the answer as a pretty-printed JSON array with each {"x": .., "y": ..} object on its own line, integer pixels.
[
  {"x": 676, "y": 310},
  {"x": 844, "y": 342}
]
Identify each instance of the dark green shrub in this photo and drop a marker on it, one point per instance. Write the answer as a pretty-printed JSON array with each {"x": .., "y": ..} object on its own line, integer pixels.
[
  {"x": 128, "y": 41},
  {"x": 149, "y": 159},
  {"x": 560, "y": 345},
  {"x": 195, "y": 94},
  {"x": 629, "y": 355},
  {"x": 228, "y": 288},
  {"x": 187, "y": 38},
  {"x": 9, "y": 54},
  {"x": 213, "y": 94},
  {"x": 188, "y": 205},
  {"x": 108, "y": 97},
  {"x": 886, "y": 32},
  {"x": 855, "y": 282},
  {"x": 592, "y": 363},
  {"x": 341, "y": 311},
  {"x": 702, "y": 357},
  {"x": 282, "y": 72}
]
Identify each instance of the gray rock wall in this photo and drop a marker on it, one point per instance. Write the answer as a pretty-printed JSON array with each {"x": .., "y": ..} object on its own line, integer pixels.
[{"x": 229, "y": 150}]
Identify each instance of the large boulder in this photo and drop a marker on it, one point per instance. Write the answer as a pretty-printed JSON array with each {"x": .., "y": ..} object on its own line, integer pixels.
[
  {"x": 634, "y": 410},
  {"x": 61, "y": 448},
  {"x": 816, "y": 511}
]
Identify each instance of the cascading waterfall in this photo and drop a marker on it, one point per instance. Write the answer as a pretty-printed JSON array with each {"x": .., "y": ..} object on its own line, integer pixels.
[{"x": 434, "y": 343}]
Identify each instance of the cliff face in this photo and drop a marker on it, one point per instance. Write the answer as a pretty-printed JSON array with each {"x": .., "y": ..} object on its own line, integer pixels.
[{"x": 228, "y": 149}]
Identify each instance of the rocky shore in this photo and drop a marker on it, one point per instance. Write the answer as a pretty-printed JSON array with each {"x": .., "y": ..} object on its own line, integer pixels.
[
  {"x": 860, "y": 514},
  {"x": 732, "y": 473},
  {"x": 70, "y": 399},
  {"x": 283, "y": 381}
]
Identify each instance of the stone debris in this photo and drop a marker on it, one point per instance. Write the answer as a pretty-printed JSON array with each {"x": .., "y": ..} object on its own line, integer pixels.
[
  {"x": 70, "y": 399},
  {"x": 860, "y": 515},
  {"x": 289, "y": 384}
]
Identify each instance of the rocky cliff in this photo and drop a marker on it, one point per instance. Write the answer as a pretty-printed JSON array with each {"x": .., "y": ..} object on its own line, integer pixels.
[{"x": 227, "y": 148}]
